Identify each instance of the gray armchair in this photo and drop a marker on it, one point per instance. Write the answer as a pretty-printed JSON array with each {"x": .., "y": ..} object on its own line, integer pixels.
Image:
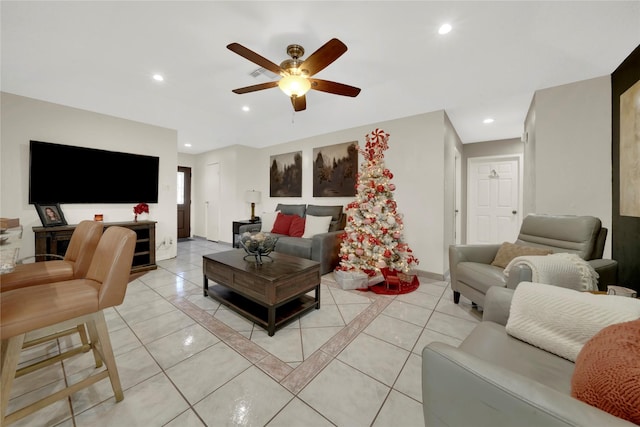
[
  {"x": 493, "y": 379},
  {"x": 472, "y": 273}
]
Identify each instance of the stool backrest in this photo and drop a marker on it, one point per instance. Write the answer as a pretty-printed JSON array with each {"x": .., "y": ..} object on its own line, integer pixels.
[
  {"x": 111, "y": 265},
  {"x": 82, "y": 246}
]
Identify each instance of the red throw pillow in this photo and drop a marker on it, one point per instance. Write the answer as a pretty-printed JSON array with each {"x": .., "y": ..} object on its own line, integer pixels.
[
  {"x": 607, "y": 372},
  {"x": 297, "y": 226},
  {"x": 282, "y": 224}
]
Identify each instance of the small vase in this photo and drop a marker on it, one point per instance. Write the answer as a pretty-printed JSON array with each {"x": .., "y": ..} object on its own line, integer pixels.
[{"x": 135, "y": 218}]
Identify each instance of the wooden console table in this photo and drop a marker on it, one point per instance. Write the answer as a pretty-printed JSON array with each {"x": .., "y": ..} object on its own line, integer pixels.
[{"x": 55, "y": 240}]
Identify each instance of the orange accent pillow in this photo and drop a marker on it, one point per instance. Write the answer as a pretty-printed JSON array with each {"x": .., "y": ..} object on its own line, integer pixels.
[
  {"x": 282, "y": 224},
  {"x": 509, "y": 251},
  {"x": 607, "y": 372},
  {"x": 297, "y": 226}
]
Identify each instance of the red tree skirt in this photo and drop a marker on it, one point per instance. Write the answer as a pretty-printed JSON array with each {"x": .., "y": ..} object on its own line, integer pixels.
[{"x": 395, "y": 283}]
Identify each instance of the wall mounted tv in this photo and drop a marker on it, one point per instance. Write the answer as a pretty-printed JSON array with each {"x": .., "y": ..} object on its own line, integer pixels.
[{"x": 67, "y": 174}]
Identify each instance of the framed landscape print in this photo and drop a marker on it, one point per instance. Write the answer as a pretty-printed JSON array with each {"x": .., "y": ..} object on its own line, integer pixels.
[
  {"x": 285, "y": 175},
  {"x": 335, "y": 170}
]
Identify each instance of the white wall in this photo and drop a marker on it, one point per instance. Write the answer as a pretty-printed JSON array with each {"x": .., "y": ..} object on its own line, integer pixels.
[
  {"x": 572, "y": 130},
  {"x": 24, "y": 119},
  {"x": 415, "y": 157},
  {"x": 451, "y": 142}
]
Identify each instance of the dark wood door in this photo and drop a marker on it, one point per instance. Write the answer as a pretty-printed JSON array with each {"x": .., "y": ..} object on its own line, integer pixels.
[{"x": 184, "y": 202}]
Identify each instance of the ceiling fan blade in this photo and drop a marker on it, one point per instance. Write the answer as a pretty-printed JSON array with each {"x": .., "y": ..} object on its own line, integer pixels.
[
  {"x": 324, "y": 56},
  {"x": 255, "y": 58},
  {"x": 299, "y": 103},
  {"x": 254, "y": 88},
  {"x": 335, "y": 88}
]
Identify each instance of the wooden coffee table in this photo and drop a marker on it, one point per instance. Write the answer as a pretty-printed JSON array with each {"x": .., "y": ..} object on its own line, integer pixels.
[{"x": 271, "y": 294}]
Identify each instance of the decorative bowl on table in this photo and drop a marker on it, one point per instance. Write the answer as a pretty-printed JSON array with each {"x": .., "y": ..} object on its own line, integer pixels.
[{"x": 258, "y": 245}]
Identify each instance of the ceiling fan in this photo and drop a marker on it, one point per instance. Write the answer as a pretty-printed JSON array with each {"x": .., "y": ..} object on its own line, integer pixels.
[{"x": 296, "y": 72}]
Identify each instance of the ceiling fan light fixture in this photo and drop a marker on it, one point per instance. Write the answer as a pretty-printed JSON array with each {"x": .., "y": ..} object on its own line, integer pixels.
[{"x": 294, "y": 85}]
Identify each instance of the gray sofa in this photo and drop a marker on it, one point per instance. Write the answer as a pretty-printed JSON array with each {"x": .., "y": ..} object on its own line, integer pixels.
[
  {"x": 493, "y": 379},
  {"x": 323, "y": 248},
  {"x": 472, "y": 273}
]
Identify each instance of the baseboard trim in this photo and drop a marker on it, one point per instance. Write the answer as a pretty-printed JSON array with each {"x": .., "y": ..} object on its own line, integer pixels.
[{"x": 428, "y": 274}]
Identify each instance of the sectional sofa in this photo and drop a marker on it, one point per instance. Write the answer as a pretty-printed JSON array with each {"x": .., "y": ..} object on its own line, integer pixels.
[{"x": 323, "y": 247}]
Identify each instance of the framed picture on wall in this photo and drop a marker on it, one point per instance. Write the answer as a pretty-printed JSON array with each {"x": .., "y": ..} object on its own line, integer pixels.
[
  {"x": 335, "y": 170},
  {"x": 50, "y": 214},
  {"x": 285, "y": 175}
]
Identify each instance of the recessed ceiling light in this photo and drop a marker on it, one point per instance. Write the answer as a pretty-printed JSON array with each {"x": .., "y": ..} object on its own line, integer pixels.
[
  {"x": 444, "y": 29},
  {"x": 246, "y": 108},
  {"x": 488, "y": 120},
  {"x": 158, "y": 77},
  {"x": 187, "y": 145}
]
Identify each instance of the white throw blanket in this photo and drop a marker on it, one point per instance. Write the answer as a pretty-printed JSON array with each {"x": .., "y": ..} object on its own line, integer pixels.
[
  {"x": 560, "y": 320},
  {"x": 561, "y": 269}
]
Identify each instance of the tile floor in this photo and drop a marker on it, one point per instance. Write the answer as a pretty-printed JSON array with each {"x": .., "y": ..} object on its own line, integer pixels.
[{"x": 185, "y": 360}]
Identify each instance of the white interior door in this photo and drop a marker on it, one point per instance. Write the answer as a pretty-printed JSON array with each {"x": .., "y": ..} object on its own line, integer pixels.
[
  {"x": 212, "y": 202},
  {"x": 493, "y": 199}
]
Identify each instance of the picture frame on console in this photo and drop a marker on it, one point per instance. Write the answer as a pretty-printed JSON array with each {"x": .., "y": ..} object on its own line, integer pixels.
[{"x": 50, "y": 214}]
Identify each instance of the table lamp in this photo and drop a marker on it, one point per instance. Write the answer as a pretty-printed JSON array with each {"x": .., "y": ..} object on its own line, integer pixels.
[{"x": 253, "y": 197}]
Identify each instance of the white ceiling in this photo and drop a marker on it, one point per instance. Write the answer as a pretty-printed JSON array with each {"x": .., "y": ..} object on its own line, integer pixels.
[{"x": 100, "y": 56}]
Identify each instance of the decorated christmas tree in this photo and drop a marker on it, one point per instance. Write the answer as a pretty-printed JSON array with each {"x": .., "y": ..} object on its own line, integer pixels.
[{"x": 372, "y": 240}]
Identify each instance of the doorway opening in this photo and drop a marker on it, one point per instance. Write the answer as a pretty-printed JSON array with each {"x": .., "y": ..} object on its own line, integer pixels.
[{"x": 184, "y": 202}]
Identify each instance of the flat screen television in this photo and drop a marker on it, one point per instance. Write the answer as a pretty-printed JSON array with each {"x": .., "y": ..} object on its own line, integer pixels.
[{"x": 67, "y": 174}]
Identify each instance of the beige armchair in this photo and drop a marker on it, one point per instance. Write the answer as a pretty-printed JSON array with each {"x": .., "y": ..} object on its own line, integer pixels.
[{"x": 472, "y": 273}]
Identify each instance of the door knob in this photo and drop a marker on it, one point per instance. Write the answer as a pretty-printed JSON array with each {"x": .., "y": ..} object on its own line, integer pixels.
[{"x": 514, "y": 212}]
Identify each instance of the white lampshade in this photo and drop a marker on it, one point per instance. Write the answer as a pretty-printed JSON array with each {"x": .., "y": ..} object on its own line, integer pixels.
[
  {"x": 252, "y": 196},
  {"x": 294, "y": 85}
]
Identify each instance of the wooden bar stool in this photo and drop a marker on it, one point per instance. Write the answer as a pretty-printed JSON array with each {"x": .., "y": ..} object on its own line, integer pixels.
[
  {"x": 47, "y": 308},
  {"x": 74, "y": 265}
]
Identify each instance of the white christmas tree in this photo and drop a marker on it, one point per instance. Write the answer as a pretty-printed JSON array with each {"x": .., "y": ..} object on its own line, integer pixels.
[{"x": 373, "y": 234}]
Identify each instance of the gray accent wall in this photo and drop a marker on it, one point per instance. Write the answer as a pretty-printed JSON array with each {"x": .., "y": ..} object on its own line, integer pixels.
[{"x": 568, "y": 155}]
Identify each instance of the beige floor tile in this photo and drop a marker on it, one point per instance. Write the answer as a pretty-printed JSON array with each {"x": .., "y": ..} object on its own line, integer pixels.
[
  {"x": 135, "y": 313},
  {"x": 151, "y": 329},
  {"x": 286, "y": 344},
  {"x": 408, "y": 312},
  {"x": 345, "y": 396},
  {"x": 374, "y": 357},
  {"x": 206, "y": 371},
  {"x": 419, "y": 298},
  {"x": 49, "y": 415},
  {"x": 450, "y": 325},
  {"x": 394, "y": 331},
  {"x": 186, "y": 419},
  {"x": 327, "y": 316},
  {"x": 180, "y": 345},
  {"x": 296, "y": 413},
  {"x": 314, "y": 338},
  {"x": 153, "y": 402},
  {"x": 233, "y": 320},
  {"x": 351, "y": 311},
  {"x": 400, "y": 410},
  {"x": 409, "y": 381},
  {"x": 242, "y": 401}
]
